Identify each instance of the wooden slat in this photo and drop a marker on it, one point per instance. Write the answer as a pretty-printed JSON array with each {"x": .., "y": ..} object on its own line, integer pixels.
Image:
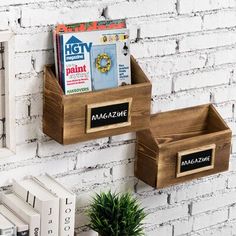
[
  {"x": 180, "y": 121},
  {"x": 52, "y": 107}
]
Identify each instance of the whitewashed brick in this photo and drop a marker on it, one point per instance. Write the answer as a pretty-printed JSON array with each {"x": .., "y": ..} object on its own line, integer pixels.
[
  {"x": 207, "y": 40},
  {"x": 161, "y": 85},
  {"x": 140, "y": 8},
  {"x": 172, "y": 64},
  {"x": 22, "y": 105},
  {"x": 188, "y": 6},
  {"x": 209, "y": 219},
  {"x": 225, "y": 110},
  {"x": 192, "y": 191},
  {"x": 142, "y": 187},
  {"x": 29, "y": 84},
  {"x": 221, "y": 19},
  {"x": 2, "y": 106},
  {"x": 218, "y": 230},
  {"x": 18, "y": 2},
  {"x": 170, "y": 26},
  {"x": 133, "y": 29},
  {"x": 153, "y": 200},
  {"x": 232, "y": 125},
  {"x": 214, "y": 202},
  {"x": 81, "y": 219},
  {"x": 223, "y": 56},
  {"x": 88, "y": 233},
  {"x": 2, "y": 79},
  {"x": 232, "y": 166},
  {"x": 224, "y": 94},
  {"x": 106, "y": 155},
  {"x": 183, "y": 226},
  {"x": 165, "y": 230},
  {"x": 166, "y": 215},
  {"x": 52, "y": 148},
  {"x": 233, "y": 225},
  {"x": 180, "y": 100},
  {"x": 123, "y": 171},
  {"x": 232, "y": 180},
  {"x": 92, "y": 177},
  {"x": 27, "y": 132},
  {"x": 4, "y": 16},
  {"x": 203, "y": 79},
  {"x": 30, "y": 16},
  {"x": 152, "y": 48},
  {"x": 233, "y": 148},
  {"x": 1, "y": 133},
  {"x": 232, "y": 212},
  {"x": 36, "y": 101},
  {"x": 41, "y": 59},
  {"x": 23, "y": 152},
  {"x": 20, "y": 170},
  {"x": 123, "y": 137},
  {"x": 32, "y": 42},
  {"x": 23, "y": 63},
  {"x": 84, "y": 196}
]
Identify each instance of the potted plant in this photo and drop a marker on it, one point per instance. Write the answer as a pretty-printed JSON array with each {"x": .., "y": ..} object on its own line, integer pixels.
[{"x": 114, "y": 214}]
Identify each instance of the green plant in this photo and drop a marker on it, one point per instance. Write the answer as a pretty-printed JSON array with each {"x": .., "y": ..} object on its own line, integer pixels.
[{"x": 114, "y": 214}]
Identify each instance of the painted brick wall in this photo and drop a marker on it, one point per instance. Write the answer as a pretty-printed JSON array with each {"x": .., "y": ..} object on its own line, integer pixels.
[{"x": 188, "y": 50}]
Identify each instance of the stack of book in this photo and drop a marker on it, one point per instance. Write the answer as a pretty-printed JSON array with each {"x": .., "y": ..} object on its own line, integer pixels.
[
  {"x": 37, "y": 206},
  {"x": 92, "y": 55}
]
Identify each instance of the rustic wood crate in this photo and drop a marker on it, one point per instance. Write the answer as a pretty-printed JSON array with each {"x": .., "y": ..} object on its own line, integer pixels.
[
  {"x": 65, "y": 116},
  {"x": 182, "y": 145}
]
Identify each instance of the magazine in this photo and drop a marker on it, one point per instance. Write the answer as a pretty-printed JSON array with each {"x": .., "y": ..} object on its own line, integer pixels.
[{"x": 92, "y": 59}]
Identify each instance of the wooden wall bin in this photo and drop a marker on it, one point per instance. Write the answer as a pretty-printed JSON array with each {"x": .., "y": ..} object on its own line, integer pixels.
[
  {"x": 64, "y": 116},
  {"x": 178, "y": 132}
]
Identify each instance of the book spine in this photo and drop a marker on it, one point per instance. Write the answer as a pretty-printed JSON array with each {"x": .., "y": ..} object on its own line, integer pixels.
[
  {"x": 50, "y": 218},
  {"x": 62, "y": 63},
  {"x": 23, "y": 233},
  {"x": 55, "y": 52},
  {"x": 67, "y": 216},
  {"x": 33, "y": 221},
  {"x": 34, "y": 227},
  {"x": 59, "y": 59},
  {"x": 48, "y": 210}
]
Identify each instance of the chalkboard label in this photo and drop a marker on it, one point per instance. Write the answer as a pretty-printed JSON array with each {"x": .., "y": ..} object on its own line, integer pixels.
[
  {"x": 108, "y": 115},
  {"x": 195, "y": 160}
]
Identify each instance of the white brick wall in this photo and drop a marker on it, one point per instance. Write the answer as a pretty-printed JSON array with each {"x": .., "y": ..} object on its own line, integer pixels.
[{"x": 188, "y": 50}]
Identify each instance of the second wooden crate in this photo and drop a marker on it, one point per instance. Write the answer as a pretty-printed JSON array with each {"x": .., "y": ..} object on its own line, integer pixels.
[{"x": 182, "y": 145}]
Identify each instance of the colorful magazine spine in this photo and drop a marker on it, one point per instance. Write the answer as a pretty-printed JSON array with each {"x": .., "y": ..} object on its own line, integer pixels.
[{"x": 90, "y": 26}]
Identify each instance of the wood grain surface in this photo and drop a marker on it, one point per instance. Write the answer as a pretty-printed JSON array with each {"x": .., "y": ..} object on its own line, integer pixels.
[
  {"x": 176, "y": 131},
  {"x": 64, "y": 116}
]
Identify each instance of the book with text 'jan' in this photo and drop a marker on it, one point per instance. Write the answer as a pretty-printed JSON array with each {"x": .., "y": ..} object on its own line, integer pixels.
[
  {"x": 22, "y": 228},
  {"x": 41, "y": 200},
  {"x": 24, "y": 211},
  {"x": 67, "y": 204}
]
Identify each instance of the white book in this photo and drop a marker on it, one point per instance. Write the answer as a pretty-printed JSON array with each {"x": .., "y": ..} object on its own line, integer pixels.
[
  {"x": 67, "y": 204},
  {"x": 6, "y": 227},
  {"x": 41, "y": 200},
  {"x": 22, "y": 209},
  {"x": 22, "y": 228}
]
